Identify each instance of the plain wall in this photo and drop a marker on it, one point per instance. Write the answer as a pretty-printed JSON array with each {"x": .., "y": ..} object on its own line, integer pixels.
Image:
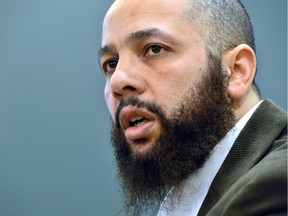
[{"x": 55, "y": 156}]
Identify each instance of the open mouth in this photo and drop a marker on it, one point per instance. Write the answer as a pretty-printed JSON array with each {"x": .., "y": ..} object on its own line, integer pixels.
[
  {"x": 137, "y": 121},
  {"x": 134, "y": 117}
]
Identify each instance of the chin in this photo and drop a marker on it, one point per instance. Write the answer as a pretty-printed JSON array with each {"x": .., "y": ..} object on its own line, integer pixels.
[{"x": 142, "y": 148}]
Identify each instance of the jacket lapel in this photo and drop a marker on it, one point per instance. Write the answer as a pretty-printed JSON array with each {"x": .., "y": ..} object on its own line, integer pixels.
[{"x": 250, "y": 147}]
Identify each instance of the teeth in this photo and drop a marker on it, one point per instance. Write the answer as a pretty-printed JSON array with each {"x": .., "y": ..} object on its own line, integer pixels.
[{"x": 137, "y": 121}]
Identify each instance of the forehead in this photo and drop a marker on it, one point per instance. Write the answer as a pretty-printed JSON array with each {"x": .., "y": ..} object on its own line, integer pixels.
[
  {"x": 132, "y": 15},
  {"x": 134, "y": 7}
]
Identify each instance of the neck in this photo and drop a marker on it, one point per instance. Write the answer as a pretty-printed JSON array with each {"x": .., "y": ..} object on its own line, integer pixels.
[{"x": 242, "y": 106}]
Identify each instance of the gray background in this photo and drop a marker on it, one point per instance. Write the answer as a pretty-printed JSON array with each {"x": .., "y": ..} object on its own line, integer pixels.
[{"x": 55, "y": 156}]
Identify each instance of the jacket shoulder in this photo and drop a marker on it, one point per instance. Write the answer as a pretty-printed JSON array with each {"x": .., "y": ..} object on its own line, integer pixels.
[{"x": 261, "y": 191}]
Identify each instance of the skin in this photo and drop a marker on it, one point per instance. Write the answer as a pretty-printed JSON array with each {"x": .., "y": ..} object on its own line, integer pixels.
[{"x": 151, "y": 51}]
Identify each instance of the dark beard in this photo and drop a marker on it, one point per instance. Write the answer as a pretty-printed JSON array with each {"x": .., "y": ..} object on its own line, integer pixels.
[{"x": 186, "y": 141}]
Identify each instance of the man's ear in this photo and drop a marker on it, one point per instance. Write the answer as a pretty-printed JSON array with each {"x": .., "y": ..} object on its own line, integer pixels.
[{"x": 240, "y": 64}]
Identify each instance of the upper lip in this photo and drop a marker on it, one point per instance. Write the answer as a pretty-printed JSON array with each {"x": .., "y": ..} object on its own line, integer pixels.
[{"x": 128, "y": 113}]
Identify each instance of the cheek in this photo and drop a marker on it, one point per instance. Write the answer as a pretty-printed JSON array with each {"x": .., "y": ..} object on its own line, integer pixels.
[
  {"x": 172, "y": 90},
  {"x": 169, "y": 94},
  {"x": 110, "y": 101}
]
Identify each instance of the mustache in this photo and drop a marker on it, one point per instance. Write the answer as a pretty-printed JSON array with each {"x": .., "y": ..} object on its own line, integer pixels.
[{"x": 136, "y": 102}]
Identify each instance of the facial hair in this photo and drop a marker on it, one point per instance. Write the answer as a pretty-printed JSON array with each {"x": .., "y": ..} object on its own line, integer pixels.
[{"x": 187, "y": 138}]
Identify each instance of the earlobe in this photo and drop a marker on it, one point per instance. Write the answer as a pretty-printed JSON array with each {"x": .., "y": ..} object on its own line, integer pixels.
[{"x": 240, "y": 65}]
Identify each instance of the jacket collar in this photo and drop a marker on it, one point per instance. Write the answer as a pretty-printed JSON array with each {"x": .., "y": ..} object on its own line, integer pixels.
[{"x": 250, "y": 147}]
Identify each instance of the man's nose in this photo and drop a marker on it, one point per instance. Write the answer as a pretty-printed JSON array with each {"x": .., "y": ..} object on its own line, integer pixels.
[{"x": 127, "y": 80}]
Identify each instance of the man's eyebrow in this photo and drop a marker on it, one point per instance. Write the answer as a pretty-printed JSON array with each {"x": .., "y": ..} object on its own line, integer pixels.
[
  {"x": 136, "y": 36},
  {"x": 147, "y": 33},
  {"x": 105, "y": 50}
]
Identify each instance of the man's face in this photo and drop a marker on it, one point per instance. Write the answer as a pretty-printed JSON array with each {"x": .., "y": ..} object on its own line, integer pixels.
[
  {"x": 152, "y": 52},
  {"x": 166, "y": 95}
]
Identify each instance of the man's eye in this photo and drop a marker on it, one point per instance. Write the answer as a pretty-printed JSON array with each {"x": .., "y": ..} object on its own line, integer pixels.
[
  {"x": 110, "y": 65},
  {"x": 154, "y": 49}
]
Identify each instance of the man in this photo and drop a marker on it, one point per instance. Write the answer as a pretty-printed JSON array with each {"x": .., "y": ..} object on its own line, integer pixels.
[{"x": 189, "y": 128}]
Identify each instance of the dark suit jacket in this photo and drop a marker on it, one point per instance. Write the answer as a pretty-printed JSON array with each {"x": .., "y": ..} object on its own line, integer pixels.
[{"x": 253, "y": 178}]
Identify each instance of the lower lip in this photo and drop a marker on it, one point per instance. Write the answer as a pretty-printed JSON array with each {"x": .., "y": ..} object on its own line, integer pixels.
[{"x": 140, "y": 132}]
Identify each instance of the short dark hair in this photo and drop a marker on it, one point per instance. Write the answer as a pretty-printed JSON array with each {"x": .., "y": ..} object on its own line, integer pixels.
[{"x": 224, "y": 25}]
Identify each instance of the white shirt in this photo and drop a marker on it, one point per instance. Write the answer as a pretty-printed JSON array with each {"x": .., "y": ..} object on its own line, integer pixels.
[{"x": 187, "y": 198}]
